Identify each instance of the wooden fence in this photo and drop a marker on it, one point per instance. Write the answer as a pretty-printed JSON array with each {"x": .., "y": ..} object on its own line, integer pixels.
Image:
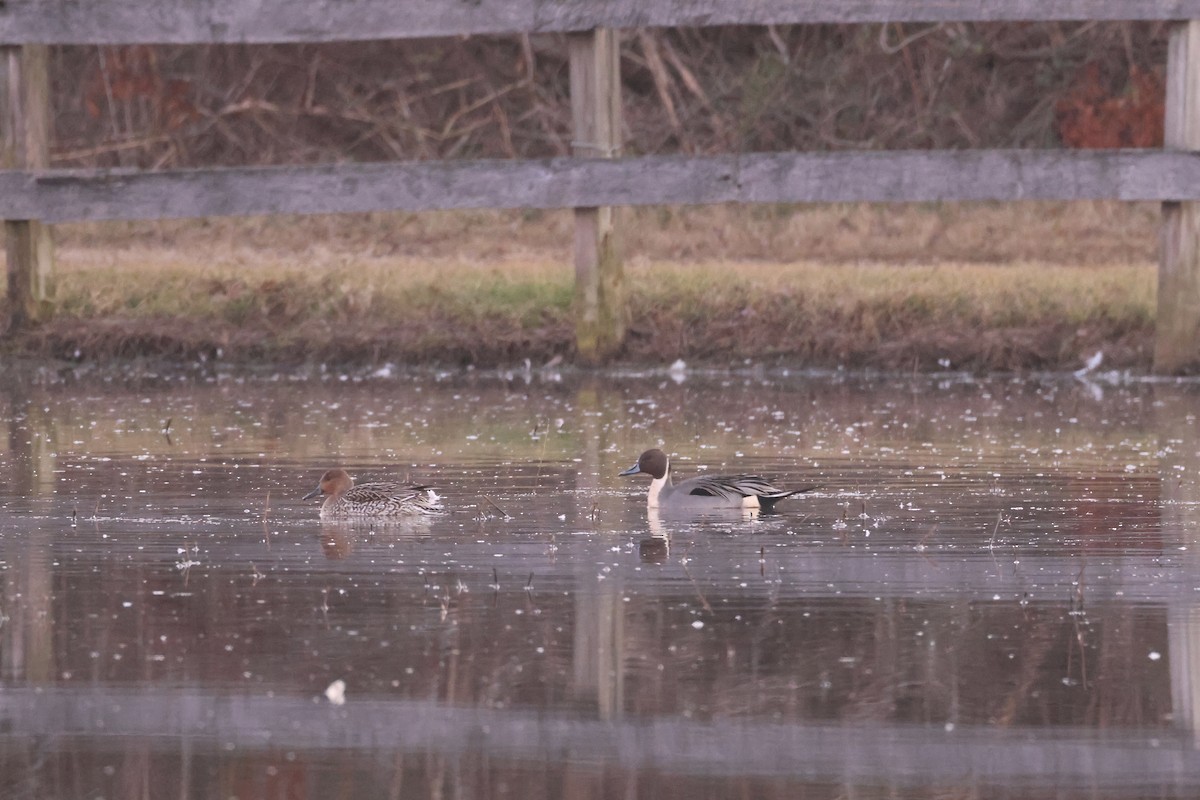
[{"x": 595, "y": 178}]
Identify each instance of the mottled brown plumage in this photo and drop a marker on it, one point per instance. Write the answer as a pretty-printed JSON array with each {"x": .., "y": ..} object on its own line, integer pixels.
[{"x": 376, "y": 499}]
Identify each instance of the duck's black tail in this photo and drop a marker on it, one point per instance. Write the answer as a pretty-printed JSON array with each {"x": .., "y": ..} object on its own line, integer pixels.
[{"x": 768, "y": 501}]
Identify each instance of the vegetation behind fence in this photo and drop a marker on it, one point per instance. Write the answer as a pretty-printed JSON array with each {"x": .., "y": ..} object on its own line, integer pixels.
[{"x": 693, "y": 90}]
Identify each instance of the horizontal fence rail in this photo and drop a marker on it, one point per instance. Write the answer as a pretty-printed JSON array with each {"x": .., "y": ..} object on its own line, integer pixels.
[
  {"x": 238, "y": 21},
  {"x": 904, "y": 176},
  {"x": 175, "y": 720}
]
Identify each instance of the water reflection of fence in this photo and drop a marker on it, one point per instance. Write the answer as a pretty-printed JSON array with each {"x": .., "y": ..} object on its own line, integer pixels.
[
  {"x": 196, "y": 722},
  {"x": 594, "y": 179}
]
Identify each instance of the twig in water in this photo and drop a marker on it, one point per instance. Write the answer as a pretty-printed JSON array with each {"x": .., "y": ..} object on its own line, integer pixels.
[
  {"x": 545, "y": 443},
  {"x": 932, "y": 530},
  {"x": 995, "y": 529},
  {"x": 529, "y": 583},
  {"x": 1077, "y": 613},
  {"x": 696, "y": 587},
  {"x": 489, "y": 501},
  {"x": 266, "y": 514}
]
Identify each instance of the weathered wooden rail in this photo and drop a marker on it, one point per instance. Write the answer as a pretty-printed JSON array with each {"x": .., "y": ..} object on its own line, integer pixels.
[
  {"x": 596, "y": 177},
  {"x": 173, "y": 721}
]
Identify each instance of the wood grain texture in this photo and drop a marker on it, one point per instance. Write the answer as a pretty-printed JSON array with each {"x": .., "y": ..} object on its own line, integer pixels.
[
  {"x": 24, "y": 144},
  {"x": 1177, "y": 327},
  {"x": 601, "y": 310},
  {"x": 883, "y": 176},
  {"x": 235, "y": 21}
]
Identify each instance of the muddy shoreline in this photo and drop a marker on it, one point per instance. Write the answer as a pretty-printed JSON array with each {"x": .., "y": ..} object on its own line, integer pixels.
[{"x": 455, "y": 344}]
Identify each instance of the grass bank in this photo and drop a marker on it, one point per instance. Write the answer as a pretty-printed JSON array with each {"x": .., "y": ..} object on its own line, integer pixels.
[{"x": 1024, "y": 286}]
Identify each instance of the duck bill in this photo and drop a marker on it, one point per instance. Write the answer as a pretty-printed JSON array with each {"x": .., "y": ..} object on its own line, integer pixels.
[
  {"x": 634, "y": 470},
  {"x": 314, "y": 493}
]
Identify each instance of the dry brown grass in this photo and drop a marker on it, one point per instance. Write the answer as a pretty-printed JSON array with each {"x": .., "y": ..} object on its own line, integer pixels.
[
  {"x": 897, "y": 287},
  {"x": 1058, "y": 233}
]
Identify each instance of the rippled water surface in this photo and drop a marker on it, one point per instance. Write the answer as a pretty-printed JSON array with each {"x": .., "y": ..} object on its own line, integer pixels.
[{"x": 991, "y": 593}]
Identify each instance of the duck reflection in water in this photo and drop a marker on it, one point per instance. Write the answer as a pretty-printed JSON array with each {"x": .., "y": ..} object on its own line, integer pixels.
[
  {"x": 337, "y": 541},
  {"x": 656, "y": 548},
  {"x": 340, "y": 537}
]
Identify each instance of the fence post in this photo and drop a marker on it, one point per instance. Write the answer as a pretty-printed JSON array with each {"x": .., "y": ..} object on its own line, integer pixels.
[
  {"x": 25, "y": 144},
  {"x": 601, "y": 316},
  {"x": 1177, "y": 330}
]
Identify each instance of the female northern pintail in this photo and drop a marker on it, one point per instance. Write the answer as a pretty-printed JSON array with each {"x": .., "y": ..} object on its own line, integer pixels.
[
  {"x": 383, "y": 499},
  {"x": 705, "y": 492}
]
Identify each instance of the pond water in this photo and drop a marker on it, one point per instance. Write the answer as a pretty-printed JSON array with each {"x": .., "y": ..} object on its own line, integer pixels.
[{"x": 992, "y": 593}]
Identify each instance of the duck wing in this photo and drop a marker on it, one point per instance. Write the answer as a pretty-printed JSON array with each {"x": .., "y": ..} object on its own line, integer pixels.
[
  {"x": 389, "y": 492},
  {"x": 730, "y": 487},
  {"x": 733, "y": 488}
]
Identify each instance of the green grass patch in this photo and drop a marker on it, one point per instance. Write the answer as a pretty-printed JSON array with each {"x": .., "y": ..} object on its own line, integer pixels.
[{"x": 482, "y": 294}]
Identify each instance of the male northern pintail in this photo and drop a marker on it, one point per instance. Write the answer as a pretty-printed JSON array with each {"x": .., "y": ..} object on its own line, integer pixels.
[
  {"x": 705, "y": 492},
  {"x": 378, "y": 499}
]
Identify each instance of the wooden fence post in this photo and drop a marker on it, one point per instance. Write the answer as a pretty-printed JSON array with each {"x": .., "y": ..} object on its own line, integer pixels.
[
  {"x": 601, "y": 315},
  {"x": 1177, "y": 331},
  {"x": 25, "y": 144}
]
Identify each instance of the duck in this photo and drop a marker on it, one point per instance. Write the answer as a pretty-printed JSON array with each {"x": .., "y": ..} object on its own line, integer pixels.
[
  {"x": 344, "y": 499},
  {"x": 706, "y": 492}
]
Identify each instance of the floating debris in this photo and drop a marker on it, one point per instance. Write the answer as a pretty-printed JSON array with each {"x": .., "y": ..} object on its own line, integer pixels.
[{"x": 335, "y": 692}]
